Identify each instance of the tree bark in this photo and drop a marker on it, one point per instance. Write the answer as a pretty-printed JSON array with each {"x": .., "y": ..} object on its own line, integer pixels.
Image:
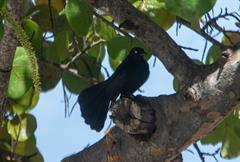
[
  {"x": 207, "y": 95},
  {"x": 7, "y": 50}
]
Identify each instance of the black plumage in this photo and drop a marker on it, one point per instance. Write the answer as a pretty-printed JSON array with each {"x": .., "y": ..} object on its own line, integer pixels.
[{"x": 129, "y": 76}]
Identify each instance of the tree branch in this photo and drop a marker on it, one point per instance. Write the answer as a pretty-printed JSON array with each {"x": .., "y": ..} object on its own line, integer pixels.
[
  {"x": 202, "y": 33},
  {"x": 180, "y": 121},
  {"x": 149, "y": 33},
  {"x": 7, "y": 49}
]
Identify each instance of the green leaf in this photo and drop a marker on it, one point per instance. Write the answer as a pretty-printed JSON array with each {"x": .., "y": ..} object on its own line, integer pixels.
[
  {"x": 236, "y": 111},
  {"x": 175, "y": 85},
  {"x": 105, "y": 31},
  {"x": 231, "y": 144},
  {"x": 1, "y": 27},
  {"x": 114, "y": 63},
  {"x": 198, "y": 62},
  {"x": 37, "y": 158},
  {"x": 228, "y": 133},
  {"x": 49, "y": 75},
  {"x": 27, "y": 102},
  {"x": 21, "y": 75},
  {"x": 57, "y": 5},
  {"x": 3, "y": 5},
  {"x": 189, "y": 9},
  {"x": 74, "y": 83},
  {"x": 231, "y": 38},
  {"x": 214, "y": 53},
  {"x": 120, "y": 46},
  {"x": 34, "y": 33},
  {"x": 97, "y": 52},
  {"x": 40, "y": 14},
  {"x": 4, "y": 136},
  {"x": 157, "y": 11},
  {"x": 79, "y": 15},
  {"x": 132, "y": 1},
  {"x": 58, "y": 50},
  {"x": 22, "y": 127},
  {"x": 89, "y": 70},
  {"x": 26, "y": 148}
]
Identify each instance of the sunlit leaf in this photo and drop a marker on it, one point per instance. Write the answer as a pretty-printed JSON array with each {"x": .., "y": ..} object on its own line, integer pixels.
[
  {"x": 27, "y": 102},
  {"x": 189, "y": 9},
  {"x": 21, "y": 75},
  {"x": 34, "y": 33},
  {"x": 105, "y": 31},
  {"x": 214, "y": 53},
  {"x": 22, "y": 127},
  {"x": 4, "y": 136},
  {"x": 228, "y": 134},
  {"x": 157, "y": 11},
  {"x": 26, "y": 148}
]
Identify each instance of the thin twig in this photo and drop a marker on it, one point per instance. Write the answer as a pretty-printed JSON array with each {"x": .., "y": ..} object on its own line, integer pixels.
[
  {"x": 67, "y": 65},
  {"x": 199, "y": 152},
  {"x": 69, "y": 115},
  {"x": 212, "y": 154},
  {"x": 202, "y": 33},
  {"x": 204, "y": 50},
  {"x": 51, "y": 16},
  {"x": 112, "y": 24},
  {"x": 106, "y": 71},
  {"x": 66, "y": 100},
  {"x": 188, "y": 48}
]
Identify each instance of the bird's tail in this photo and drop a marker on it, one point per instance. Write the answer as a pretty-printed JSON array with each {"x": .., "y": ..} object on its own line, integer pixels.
[{"x": 94, "y": 102}]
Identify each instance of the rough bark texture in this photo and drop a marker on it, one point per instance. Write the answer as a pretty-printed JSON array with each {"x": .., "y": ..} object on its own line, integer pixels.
[
  {"x": 208, "y": 95},
  {"x": 7, "y": 49}
]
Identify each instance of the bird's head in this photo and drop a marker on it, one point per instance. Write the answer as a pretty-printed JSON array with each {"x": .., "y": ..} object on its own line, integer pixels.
[{"x": 138, "y": 51}]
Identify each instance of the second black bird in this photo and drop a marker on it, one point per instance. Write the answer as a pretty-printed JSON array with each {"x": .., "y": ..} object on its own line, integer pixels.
[{"x": 128, "y": 77}]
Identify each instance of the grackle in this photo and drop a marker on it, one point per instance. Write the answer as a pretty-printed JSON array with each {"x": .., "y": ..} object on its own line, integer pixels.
[{"x": 94, "y": 101}]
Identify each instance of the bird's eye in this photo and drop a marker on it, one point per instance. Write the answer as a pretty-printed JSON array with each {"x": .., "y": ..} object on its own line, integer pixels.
[{"x": 135, "y": 52}]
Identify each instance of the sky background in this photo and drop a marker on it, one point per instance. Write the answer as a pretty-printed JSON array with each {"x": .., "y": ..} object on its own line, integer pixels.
[{"x": 58, "y": 137}]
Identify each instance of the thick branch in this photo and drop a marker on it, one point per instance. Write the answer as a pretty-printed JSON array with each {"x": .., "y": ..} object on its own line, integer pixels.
[
  {"x": 179, "y": 121},
  {"x": 7, "y": 49},
  {"x": 148, "y": 32}
]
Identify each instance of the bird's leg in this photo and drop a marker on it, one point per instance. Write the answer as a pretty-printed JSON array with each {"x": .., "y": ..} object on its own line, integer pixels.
[{"x": 139, "y": 99}]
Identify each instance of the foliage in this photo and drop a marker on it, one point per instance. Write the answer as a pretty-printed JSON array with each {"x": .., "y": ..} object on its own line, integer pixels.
[{"x": 70, "y": 43}]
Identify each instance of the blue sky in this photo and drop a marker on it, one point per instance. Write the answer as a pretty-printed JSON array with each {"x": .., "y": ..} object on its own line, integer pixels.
[{"x": 58, "y": 136}]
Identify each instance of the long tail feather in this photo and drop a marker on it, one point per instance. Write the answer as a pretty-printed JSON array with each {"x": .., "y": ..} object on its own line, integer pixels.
[{"x": 94, "y": 103}]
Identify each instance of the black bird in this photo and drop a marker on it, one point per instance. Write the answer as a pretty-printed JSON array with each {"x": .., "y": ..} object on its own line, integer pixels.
[{"x": 94, "y": 101}]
